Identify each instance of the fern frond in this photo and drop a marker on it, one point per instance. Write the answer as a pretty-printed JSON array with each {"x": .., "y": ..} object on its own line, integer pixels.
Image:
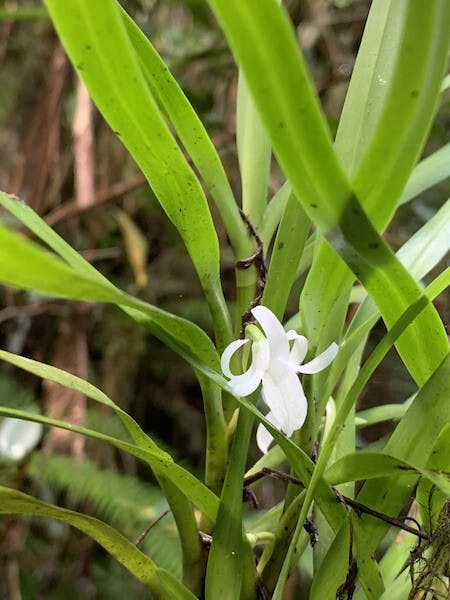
[{"x": 123, "y": 500}]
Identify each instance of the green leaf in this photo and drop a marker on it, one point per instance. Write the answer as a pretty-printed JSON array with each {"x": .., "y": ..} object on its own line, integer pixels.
[
  {"x": 83, "y": 281},
  {"x": 26, "y": 215},
  {"x": 286, "y": 254},
  {"x": 429, "y": 245},
  {"x": 395, "y": 558},
  {"x": 368, "y": 89},
  {"x": 273, "y": 213},
  {"x": 303, "y": 468},
  {"x": 369, "y": 465},
  {"x": 192, "y": 133},
  {"x": 392, "y": 99},
  {"x": 430, "y": 171},
  {"x": 366, "y": 465},
  {"x": 283, "y": 93},
  {"x": 96, "y": 40},
  {"x": 160, "y": 583},
  {"x": 378, "y": 414},
  {"x": 327, "y": 581},
  {"x": 198, "y": 494},
  {"x": 385, "y": 85},
  {"x": 224, "y": 572},
  {"x": 254, "y": 154},
  {"x": 125, "y": 501},
  {"x": 172, "y": 489},
  {"x": 369, "y": 573},
  {"x": 383, "y": 74},
  {"x": 420, "y": 254},
  {"x": 48, "y": 275},
  {"x": 400, "y": 588},
  {"x": 73, "y": 382}
]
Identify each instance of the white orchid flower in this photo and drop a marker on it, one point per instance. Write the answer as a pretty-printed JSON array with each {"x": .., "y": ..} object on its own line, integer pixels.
[
  {"x": 18, "y": 437},
  {"x": 276, "y": 362}
]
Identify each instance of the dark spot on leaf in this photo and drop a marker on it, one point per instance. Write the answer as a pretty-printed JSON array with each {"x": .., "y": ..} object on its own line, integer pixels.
[
  {"x": 414, "y": 93},
  {"x": 280, "y": 245},
  {"x": 313, "y": 205},
  {"x": 87, "y": 47},
  {"x": 374, "y": 245}
]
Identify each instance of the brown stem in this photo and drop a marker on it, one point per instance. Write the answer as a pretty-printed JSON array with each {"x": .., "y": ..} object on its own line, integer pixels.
[
  {"x": 144, "y": 534},
  {"x": 357, "y": 506}
]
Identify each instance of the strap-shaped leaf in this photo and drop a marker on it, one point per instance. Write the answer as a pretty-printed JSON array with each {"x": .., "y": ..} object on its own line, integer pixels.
[
  {"x": 192, "y": 488},
  {"x": 225, "y": 570},
  {"x": 284, "y": 96},
  {"x": 254, "y": 153},
  {"x": 96, "y": 40},
  {"x": 420, "y": 254},
  {"x": 397, "y": 74},
  {"x": 430, "y": 171},
  {"x": 53, "y": 277},
  {"x": 191, "y": 131},
  {"x": 286, "y": 254},
  {"x": 73, "y": 382},
  {"x": 392, "y": 99},
  {"x": 327, "y": 581},
  {"x": 179, "y": 502},
  {"x": 48, "y": 274},
  {"x": 159, "y": 582},
  {"x": 371, "y": 465}
]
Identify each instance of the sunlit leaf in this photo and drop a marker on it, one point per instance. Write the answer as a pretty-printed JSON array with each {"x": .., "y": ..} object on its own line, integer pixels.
[{"x": 98, "y": 45}]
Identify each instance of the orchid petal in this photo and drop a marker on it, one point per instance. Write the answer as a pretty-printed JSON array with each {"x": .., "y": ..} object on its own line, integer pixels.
[
  {"x": 227, "y": 355},
  {"x": 283, "y": 394},
  {"x": 275, "y": 334},
  {"x": 18, "y": 438},
  {"x": 320, "y": 362},
  {"x": 299, "y": 350},
  {"x": 248, "y": 382},
  {"x": 263, "y": 436}
]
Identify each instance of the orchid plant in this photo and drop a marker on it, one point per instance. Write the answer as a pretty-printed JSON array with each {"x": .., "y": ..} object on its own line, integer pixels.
[{"x": 326, "y": 223}]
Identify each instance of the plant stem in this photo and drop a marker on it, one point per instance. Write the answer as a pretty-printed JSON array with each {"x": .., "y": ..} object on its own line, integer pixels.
[
  {"x": 283, "y": 537},
  {"x": 227, "y": 554},
  {"x": 191, "y": 546},
  {"x": 216, "y": 435}
]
